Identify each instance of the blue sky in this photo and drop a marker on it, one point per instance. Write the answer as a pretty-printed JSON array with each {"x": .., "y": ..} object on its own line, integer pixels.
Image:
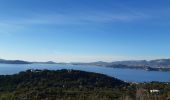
[{"x": 84, "y": 30}]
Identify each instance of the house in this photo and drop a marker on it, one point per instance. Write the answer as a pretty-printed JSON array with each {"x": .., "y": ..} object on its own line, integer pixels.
[{"x": 154, "y": 91}]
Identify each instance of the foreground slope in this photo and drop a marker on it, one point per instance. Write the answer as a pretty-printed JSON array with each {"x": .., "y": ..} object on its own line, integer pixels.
[
  {"x": 76, "y": 85},
  {"x": 60, "y": 85}
]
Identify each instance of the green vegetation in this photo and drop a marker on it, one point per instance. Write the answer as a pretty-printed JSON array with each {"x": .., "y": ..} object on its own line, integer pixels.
[
  {"x": 75, "y": 85},
  {"x": 146, "y": 94}
]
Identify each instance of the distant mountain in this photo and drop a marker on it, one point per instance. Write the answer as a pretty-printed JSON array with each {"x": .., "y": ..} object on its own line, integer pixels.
[
  {"x": 48, "y": 62},
  {"x": 99, "y": 63},
  {"x": 132, "y": 62},
  {"x": 2, "y": 61},
  {"x": 152, "y": 65},
  {"x": 159, "y": 64}
]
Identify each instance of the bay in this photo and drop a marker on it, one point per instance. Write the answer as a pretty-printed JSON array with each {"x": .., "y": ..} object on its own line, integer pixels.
[{"x": 130, "y": 75}]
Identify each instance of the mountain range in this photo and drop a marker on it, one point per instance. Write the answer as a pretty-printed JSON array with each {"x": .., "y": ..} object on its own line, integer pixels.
[
  {"x": 157, "y": 64},
  {"x": 3, "y": 61},
  {"x": 137, "y": 63}
]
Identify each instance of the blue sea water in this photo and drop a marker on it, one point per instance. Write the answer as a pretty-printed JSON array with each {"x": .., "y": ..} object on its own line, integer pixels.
[{"x": 130, "y": 75}]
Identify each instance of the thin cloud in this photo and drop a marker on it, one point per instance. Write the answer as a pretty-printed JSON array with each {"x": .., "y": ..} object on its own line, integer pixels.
[
  {"x": 68, "y": 19},
  {"x": 75, "y": 18}
]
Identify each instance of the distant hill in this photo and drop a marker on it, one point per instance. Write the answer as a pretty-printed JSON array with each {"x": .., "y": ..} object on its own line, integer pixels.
[
  {"x": 99, "y": 63},
  {"x": 158, "y": 65},
  {"x": 2, "y": 61},
  {"x": 48, "y": 62},
  {"x": 151, "y": 63}
]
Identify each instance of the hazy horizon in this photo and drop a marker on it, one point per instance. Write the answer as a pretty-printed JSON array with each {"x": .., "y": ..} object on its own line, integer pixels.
[
  {"x": 84, "y": 30},
  {"x": 90, "y": 61}
]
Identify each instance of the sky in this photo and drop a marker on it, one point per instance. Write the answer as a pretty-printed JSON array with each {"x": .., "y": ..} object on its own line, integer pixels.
[{"x": 84, "y": 30}]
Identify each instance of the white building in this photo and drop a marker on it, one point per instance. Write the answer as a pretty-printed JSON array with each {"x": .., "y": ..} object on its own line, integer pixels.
[{"x": 154, "y": 91}]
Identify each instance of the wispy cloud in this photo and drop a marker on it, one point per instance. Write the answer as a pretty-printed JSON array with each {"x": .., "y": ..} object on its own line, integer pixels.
[
  {"x": 72, "y": 18},
  {"x": 68, "y": 19}
]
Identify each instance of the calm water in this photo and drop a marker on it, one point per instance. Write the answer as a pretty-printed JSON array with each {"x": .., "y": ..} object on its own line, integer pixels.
[{"x": 131, "y": 75}]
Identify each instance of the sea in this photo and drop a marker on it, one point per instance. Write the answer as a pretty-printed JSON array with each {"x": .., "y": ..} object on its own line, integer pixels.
[{"x": 128, "y": 75}]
